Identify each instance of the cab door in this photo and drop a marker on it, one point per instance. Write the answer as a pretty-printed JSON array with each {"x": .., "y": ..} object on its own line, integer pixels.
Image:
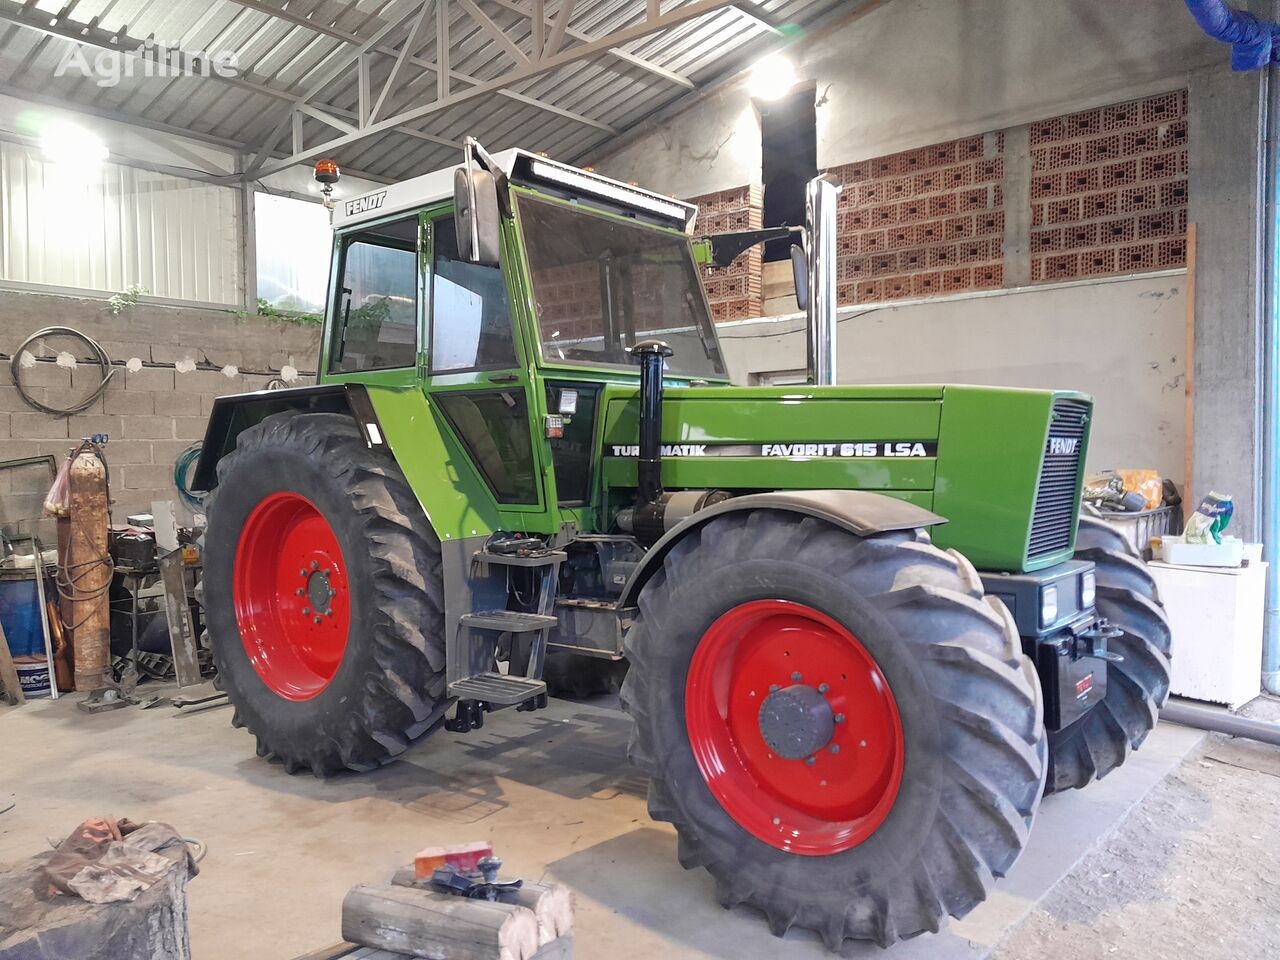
[{"x": 477, "y": 367}]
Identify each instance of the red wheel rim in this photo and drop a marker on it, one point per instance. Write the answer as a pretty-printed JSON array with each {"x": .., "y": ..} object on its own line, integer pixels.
[
  {"x": 838, "y": 795},
  {"x": 290, "y": 596}
]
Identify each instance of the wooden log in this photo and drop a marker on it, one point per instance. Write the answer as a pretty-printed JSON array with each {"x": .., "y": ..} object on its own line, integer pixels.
[
  {"x": 437, "y": 925},
  {"x": 550, "y": 903}
]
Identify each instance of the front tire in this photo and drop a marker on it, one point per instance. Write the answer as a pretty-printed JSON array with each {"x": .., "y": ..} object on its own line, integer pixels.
[
  {"x": 937, "y": 694},
  {"x": 1138, "y": 686},
  {"x": 323, "y": 596}
]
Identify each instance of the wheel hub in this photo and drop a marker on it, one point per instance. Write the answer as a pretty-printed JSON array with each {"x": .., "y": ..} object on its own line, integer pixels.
[
  {"x": 796, "y": 721},
  {"x": 320, "y": 592}
]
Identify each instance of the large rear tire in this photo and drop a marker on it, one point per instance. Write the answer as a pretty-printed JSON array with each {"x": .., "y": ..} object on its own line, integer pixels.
[
  {"x": 323, "y": 596},
  {"x": 941, "y": 757},
  {"x": 1138, "y": 686}
]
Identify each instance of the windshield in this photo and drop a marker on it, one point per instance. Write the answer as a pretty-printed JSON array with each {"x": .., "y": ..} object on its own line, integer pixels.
[{"x": 601, "y": 283}]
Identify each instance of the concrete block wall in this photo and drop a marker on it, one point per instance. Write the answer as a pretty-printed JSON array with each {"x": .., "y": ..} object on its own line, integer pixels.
[{"x": 188, "y": 357}]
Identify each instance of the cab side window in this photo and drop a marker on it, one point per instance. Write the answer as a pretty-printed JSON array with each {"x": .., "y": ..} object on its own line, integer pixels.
[
  {"x": 470, "y": 318},
  {"x": 376, "y": 324}
]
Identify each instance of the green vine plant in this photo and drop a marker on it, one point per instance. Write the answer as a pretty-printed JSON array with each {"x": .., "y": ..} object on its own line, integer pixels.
[
  {"x": 283, "y": 312},
  {"x": 122, "y": 301}
]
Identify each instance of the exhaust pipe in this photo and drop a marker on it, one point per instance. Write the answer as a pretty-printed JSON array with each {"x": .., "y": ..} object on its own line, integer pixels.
[
  {"x": 652, "y": 354},
  {"x": 821, "y": 198},
  {"x": 656, "y": 511}
]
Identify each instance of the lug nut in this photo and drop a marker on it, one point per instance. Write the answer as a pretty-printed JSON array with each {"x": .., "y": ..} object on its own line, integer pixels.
[
  {"x": 773, "y": 688},
  {"x": 796, "y": 677},
  {"x": 299, "y": 592},
  {"x": 823, "y": 688},
  {"x": 306, "y": 611},
  {"x": 315, "y": 564},
  {"x": 319, "y": 620},
  {"x": 839, "y": 718},
  {"x": 302, "y": 573},
  {"x": 835, "y": 748},
  {"x": 777, "y": 821},
  {"x": 810, "y": 761}
]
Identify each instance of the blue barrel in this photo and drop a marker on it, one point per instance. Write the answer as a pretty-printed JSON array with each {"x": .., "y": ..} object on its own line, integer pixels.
[{"x": 20, "y": 612}]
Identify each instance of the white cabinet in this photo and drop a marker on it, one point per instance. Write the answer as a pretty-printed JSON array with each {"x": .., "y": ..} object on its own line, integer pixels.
[{"x": 1216, "y": 615}]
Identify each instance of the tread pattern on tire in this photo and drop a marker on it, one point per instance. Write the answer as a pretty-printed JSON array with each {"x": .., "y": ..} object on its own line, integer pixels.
[
  {"x": 990, "y": 720},
  {"x": 1127, "y": 596},
  {"x": 406, "y": 696}
]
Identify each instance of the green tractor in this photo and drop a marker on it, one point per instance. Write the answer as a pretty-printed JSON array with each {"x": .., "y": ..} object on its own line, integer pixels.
[{"x": 866, "y": 627}]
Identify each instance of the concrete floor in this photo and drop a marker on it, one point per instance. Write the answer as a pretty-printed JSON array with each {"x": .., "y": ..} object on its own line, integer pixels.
[{"x": 552, "y": 791}]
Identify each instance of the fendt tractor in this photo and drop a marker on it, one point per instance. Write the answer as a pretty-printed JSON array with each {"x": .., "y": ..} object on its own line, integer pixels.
[{"x": 865, "y": 627}]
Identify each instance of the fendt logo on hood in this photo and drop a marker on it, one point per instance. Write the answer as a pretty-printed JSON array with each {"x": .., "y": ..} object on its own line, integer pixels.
[
  {"x": 365, "y": 204},
  {"x": 1064, "y": 446}
]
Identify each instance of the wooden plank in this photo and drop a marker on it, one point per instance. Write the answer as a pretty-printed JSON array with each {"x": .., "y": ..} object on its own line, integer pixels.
[
  {"x": 182, "y": 633},
  {"x": 423, "y": 924},
  {"x": 9, "y": 674}
]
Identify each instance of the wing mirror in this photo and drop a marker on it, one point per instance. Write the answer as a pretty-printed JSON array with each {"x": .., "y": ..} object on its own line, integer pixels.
[
  {"x": 476, "y": 216},
  {"x": 800, "y": 270}
]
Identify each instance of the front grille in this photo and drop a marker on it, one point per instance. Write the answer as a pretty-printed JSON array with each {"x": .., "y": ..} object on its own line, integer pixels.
[{"x": 1059, "y": 479}]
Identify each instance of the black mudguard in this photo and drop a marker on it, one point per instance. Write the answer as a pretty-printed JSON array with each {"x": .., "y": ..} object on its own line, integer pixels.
[{"x": 858, "y": 511}]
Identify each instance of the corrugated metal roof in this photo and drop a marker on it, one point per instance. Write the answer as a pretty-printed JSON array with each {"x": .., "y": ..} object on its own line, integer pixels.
[{"x": 284, "y": 48}]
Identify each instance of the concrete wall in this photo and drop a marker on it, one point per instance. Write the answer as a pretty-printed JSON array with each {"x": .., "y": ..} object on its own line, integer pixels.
[
  {"x": 909, "y": 73},
  {"x": 1134, "y": 370},
  {"x": 189, "y": 357}
]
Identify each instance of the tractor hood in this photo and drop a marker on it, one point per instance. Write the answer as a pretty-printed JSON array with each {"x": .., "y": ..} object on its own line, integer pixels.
[{"x": 1004, "y": 466}]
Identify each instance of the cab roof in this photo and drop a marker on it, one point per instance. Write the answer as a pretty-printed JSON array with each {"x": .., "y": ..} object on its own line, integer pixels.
[{"x": 520, "y": 167}]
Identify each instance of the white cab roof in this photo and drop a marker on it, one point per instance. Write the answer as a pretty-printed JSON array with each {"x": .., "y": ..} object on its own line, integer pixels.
[{"x": 437, "y": 186}]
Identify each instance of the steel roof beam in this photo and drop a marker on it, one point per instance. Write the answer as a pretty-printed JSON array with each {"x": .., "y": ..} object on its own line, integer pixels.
[
  {"x": 258, "y": 6},
  {"x": 550, "y": 61},
  {"x": 749, "y": 11}
]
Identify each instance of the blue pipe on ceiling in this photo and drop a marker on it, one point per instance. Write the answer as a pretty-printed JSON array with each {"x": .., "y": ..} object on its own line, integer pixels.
[{"x": 1254, "y": 42}]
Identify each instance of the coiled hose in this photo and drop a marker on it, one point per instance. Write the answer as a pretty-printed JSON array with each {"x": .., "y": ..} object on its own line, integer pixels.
[
  {"x": 181, "y": 467},
  {"x": 15, "y": 370}
]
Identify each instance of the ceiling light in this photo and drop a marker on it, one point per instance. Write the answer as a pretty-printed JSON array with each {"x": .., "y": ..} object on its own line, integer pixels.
[
  {"x": 70, "y": 145},
  {"x": 772, "y": 78}
]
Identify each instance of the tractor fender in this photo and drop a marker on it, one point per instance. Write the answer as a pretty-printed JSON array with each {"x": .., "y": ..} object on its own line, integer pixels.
[
  {"x": 234, "y": 414},
  {"x": 858, "y": 511}
]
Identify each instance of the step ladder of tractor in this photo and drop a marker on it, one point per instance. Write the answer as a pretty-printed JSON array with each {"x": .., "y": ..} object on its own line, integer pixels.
[
  {"x": 500, "y": 689},
  {"x": 497, "y": 688},
  {"x": 541, "y": 558},
  {"x": 507, "y": 621}
]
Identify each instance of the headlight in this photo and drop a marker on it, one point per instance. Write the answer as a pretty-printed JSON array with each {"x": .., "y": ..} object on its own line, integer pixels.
[
  {"x": 1048, "y": 605},
  {"x": 1088, "y": 589}
]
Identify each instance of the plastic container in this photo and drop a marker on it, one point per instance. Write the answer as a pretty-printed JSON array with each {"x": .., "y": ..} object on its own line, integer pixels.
[
  {"x": 20, "y": 612},
  {"x": 33, "y": 676},
  {"x": 1177, "y": 551},
  {"x": 1141, "y": 527}
]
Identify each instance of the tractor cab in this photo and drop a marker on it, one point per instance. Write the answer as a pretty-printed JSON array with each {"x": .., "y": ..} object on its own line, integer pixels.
[{"x": 513, "y": 297}]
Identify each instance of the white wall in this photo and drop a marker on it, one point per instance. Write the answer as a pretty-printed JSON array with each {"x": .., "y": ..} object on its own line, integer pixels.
[
  {"x": 164, "y": 212},
  {"x": 106, "y": 227},
  {"x": 1122, "y": 341}
]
